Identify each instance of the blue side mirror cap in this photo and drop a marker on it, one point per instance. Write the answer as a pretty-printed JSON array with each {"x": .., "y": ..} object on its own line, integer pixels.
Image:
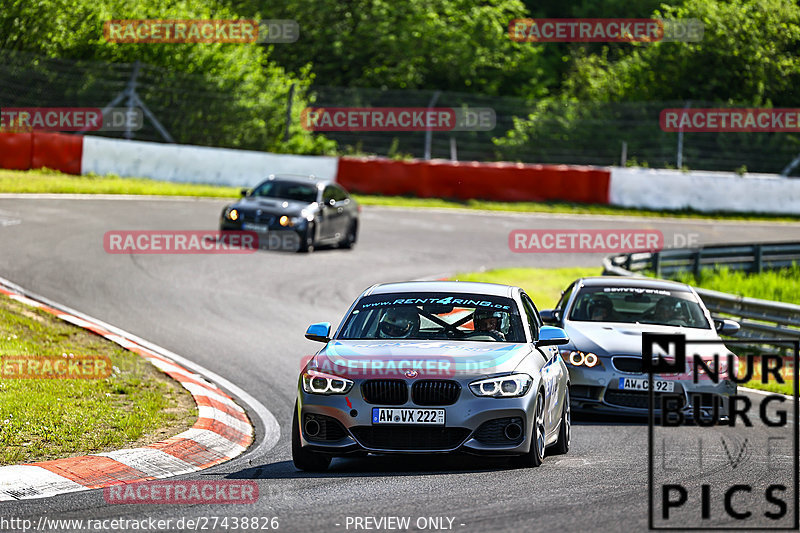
[
  {"x": 552, "y": 336},
  {"x": 320, "y": 332}
]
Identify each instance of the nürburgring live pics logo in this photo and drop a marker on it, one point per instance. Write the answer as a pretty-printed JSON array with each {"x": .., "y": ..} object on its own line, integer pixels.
[{"x": 721, "y": 464}]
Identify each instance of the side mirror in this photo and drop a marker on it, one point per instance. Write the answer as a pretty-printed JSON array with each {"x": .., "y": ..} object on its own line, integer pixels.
[
  {"x": 244, "y": 192},
  {"x": 319, "y": 332},
  {"x": 552, "y": 336},
  {"x": 726, "y": 327},
  {"x": 550, "y": 316}
]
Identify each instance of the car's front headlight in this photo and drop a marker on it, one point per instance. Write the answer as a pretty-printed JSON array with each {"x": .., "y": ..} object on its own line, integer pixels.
[
  {"x": 509, "y": 386},
  {"x": 576, "y": 358},
  {"x": 231, "y": 214},
  {"x": 320, "y": 383}
]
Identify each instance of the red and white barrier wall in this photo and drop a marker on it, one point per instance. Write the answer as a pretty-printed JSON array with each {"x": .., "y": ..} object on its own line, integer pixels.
[{"x": 513, "y": 182}]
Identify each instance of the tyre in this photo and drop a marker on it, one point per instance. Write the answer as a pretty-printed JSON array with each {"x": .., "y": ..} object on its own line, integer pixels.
[
  {"x": 565, "y": 433},
  {"x": 307, "y": 244},
  {"x": 536, "y": 454},
  {"x": 306, "y": 459},
  {"x": 351, "y": 236}
]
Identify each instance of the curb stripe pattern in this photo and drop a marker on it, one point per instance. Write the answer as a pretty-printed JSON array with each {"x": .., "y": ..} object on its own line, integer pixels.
[{"x": 222, "y": 432}]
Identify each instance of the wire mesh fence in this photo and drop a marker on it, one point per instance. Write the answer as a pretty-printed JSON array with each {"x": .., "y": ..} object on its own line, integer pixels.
[{"x": 195, "y": 109}]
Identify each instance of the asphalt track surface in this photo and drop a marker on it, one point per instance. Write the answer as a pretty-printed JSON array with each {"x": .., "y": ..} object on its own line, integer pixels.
[{"x": 243, "y": 317}]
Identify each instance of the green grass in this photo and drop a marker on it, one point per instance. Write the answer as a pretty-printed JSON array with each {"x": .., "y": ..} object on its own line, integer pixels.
[
  {"x": 782, "y": 388},
  {"x": 543, "y": 285},
  {"x": 43, "y": 419},
  {"x": 778, "y": 285},
  {"x": 556, "y": 207},
  {"x": 49, "y": 181},
  {"x": 37, "y": 181}
]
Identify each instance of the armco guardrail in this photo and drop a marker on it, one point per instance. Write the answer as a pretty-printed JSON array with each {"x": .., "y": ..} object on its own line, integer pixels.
[
  {"x": 760, "y": 319},
  {"x": 749, "y": 257}
]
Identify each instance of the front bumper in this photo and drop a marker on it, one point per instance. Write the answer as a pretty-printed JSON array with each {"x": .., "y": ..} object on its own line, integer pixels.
[
  {"x": 597, "y": 390},
  {"x": 472, "y": 425},
  {"x": 276, "y": 237}
]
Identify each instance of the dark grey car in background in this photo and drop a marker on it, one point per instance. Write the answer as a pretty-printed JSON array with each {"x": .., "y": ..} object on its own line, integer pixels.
[
  {"x": 295, "y": 213},
  {"x": 605, "y": 317}
]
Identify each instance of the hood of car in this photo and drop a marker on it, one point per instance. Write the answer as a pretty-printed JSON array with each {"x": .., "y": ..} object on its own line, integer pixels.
[
  {"x": 275, "y": 206},
  {"x": 387, "y": 359},
  {"x": 610, "y": 338}
]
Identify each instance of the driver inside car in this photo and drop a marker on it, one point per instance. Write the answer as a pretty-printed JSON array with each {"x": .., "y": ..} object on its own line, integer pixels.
[
  {"x": 490, "y": 322},
  {"x": 664, "y": 311},
  {"x": 399, "y": 323},
  {"x": 601, "y": 308}
]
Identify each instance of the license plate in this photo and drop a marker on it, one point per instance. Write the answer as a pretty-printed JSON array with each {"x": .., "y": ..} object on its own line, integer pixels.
[
  {"x": 430, "y": 417},
  {"x": 644, "y": 384},
  {"x": 260, "y": 228}
]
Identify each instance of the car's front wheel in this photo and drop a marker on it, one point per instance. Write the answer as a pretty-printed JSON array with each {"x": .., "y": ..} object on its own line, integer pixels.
[
  {"x": 302, "y": 458},
  {"x": 307, "y": 242},
  {"x": 351, "y": 236},
  {"x": 536, "y": 454}
]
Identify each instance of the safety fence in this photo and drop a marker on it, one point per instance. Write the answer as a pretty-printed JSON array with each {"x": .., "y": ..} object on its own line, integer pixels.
[{"x": 194, "y": 108}]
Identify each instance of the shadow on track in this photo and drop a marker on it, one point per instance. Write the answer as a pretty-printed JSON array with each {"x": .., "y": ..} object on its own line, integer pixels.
[
  {"x": 380, "y": 465},
  {"x": 595, "y": 419}
]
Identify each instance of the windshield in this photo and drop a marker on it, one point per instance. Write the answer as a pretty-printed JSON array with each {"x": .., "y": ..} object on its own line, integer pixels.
[
  {"x": 425, "y": 316},
  {"x": 638, "y": 305},
  {"x": 287, "y": 190}
]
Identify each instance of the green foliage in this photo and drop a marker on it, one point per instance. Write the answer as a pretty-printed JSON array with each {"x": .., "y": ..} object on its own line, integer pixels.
[
  {"x": 747, "y": 58},
  {"x": 748, "y": 54},
  {"x": 451, "y": 45},
  {"x": 232, "y": 90}
]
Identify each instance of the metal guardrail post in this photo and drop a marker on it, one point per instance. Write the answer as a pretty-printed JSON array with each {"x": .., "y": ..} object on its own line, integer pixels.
[
  {"x": 697, "y": 265},
  {"x": 758, "y": 263},
  {"x": 655, "y": 260}
]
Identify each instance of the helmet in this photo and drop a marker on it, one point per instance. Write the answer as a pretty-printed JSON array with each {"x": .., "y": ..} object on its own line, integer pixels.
[
  {"x": 665, "y": 305},
  {"x": 482, "y": 314},
  {"x": 399, "y": 322}
]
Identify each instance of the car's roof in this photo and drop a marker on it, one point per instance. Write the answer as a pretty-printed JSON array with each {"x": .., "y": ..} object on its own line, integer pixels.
[
  {"x": 618, "y": 281},
  {"x": 468, "y": 287},
  {"x": 298, "y": 178}
]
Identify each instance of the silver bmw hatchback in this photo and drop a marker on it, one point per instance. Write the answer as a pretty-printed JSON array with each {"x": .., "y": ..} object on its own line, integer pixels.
[{"x": 434, "y": 367}]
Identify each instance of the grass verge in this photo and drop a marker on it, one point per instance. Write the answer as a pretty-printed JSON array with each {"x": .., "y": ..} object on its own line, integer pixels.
[
  {"x": 782, "y": 388},
  {"x": 777, "y": 285},
  {"x": 49, "y": 181},
  {"x": 43, "y": 419},
  {"x": 543, "y": 285}
]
